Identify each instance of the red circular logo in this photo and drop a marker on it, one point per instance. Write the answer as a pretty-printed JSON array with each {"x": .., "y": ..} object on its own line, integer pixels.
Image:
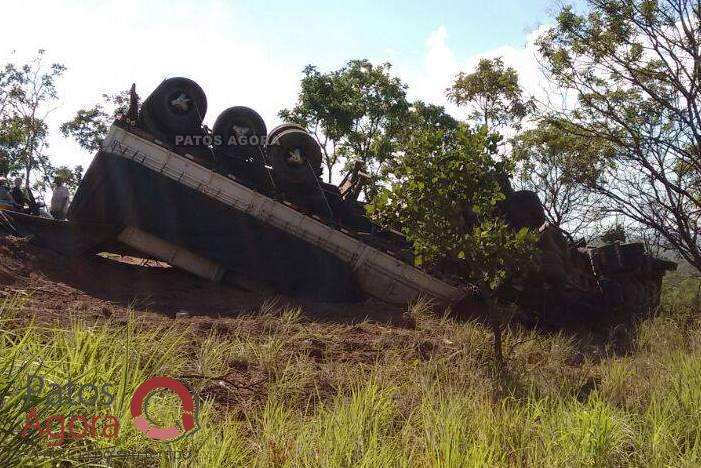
[{"x": 139, "y": 409}]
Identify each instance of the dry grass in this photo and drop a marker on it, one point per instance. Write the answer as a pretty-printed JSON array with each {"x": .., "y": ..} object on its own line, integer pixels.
[{"x": 288, "y": 392}]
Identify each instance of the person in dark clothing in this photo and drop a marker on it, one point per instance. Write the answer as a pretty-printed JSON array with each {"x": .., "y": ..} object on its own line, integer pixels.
[
  {"x": 5, "y": 197},
  {"x": 17, "y": 194}
]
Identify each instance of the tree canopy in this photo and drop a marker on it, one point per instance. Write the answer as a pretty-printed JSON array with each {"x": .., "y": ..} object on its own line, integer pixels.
[
  {"x": 89, "y": 126},
  {"x": 635, "y": 69},
  {"x": 354, "y": 112},
  {"x": 492, "y": 92},
  {"x": 445, "y": 195},
  {"x": 26, "y": 93},
  {"x": 557, "y": 165}
]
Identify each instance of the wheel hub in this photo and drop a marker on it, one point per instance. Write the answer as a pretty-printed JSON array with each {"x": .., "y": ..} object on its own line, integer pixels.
[
  {"x": 241, "y": 131},
  {"x": 181, "y": 103},
  {"x": 295, "y": 157}
]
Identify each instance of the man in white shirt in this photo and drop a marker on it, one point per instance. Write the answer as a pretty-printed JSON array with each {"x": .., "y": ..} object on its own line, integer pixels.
[{"x": 59, "y": 200}]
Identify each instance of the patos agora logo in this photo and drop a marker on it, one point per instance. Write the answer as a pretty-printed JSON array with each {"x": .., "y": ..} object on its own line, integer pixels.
[
  {"x": 145, "y": 424},
  {"x": 106, "y": 426}
]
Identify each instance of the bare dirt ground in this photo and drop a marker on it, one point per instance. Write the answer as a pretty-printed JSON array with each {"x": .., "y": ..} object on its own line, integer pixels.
[
  {"x": 110, "y": 285},
  {"x": 326, "y": 344},
  {"x": 59, "y": 290}
]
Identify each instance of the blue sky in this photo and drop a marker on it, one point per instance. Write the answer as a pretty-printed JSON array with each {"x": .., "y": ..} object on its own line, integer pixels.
[
  {"x": 252, "y": 52},
  {"x": 331, "y": 32}
]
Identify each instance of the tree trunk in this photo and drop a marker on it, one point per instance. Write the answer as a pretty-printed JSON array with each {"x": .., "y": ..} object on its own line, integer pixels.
[
  {"x": 498, "y": 351},
  {"x": 494, "y": 321}
]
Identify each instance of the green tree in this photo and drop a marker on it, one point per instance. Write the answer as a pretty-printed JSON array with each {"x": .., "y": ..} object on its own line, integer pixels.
[
  {"x": 12, "y": 139},
  {"x": 445, "y": 196},
  {"x": 324, "y": 109},
  {"x": 493, "y": 94},
  {"x": 558, "y": 165},
  {"x": 71, "y": 176},
  {"x": 634, "y": 66},
  {"x": 26, "y": 95},
  {"x": 12, "y": 135},
  {"x": 354, "y": 112},
  {"x": 9, "y": 88},
  {"x": 613, "y": 234},
  {"x": 422, "y": 116},
  {"x": 89, "y": 126},
  {"x": 23, "y": 143}
]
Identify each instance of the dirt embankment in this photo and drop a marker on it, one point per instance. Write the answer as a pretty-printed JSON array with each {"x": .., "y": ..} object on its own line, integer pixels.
[
  {"x": 324, "y": 345},
  {"x": 59, "y": 288}
]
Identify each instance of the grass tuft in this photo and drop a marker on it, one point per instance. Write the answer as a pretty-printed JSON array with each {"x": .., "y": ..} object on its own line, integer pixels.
[{"x": 278, "y": 390}]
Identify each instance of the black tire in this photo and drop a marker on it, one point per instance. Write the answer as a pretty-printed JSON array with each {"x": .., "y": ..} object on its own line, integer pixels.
[
  {"x": 246, "y": 144},
  {"x": 176, "y": 106},
  {"x": 280, "y": 153},
  {"x": 524, "y": 209},
  {"x": 146, "y": 122},
  {"x": 282, "y": 128},
  {"x": 632, "y": 255}
]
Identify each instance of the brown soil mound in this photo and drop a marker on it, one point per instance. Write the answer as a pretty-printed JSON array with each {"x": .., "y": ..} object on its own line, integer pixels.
[{"x": 59, "y": 287}]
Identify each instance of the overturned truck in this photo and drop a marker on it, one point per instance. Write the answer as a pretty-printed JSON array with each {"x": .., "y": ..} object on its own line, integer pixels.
[
  {"x": 240, "y": 205},
  {"x": 245, "y": 206}
]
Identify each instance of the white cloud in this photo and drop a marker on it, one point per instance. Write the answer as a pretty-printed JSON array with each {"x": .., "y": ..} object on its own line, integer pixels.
[
  {"x": 435, "y": 74},
  {"x": 441, "y": 66}
]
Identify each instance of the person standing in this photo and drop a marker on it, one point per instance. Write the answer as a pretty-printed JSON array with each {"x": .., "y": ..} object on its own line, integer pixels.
[
  {"x": 17, "y": 194},
  {"x": 59, "y": 200},
  {"x": 5, "y": 197}
]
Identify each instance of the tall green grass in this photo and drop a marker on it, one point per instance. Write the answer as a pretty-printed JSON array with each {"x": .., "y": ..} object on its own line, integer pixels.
[{"x": 424, "y": 397}]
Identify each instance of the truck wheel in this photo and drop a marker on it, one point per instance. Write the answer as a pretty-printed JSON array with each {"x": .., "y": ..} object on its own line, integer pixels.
[
  {"x": 177, "y": 106},
  {"x": 147, "y": 123},
  {"x": 295, "y": 156},
  {"x": 524, "y": 209},
  {"x": 282, "y": 128},
  {"x": 241, "y": 132}
]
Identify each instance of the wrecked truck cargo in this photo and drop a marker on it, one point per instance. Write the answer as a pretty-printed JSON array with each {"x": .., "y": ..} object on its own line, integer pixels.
[{"x": 173, "y": 208}]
